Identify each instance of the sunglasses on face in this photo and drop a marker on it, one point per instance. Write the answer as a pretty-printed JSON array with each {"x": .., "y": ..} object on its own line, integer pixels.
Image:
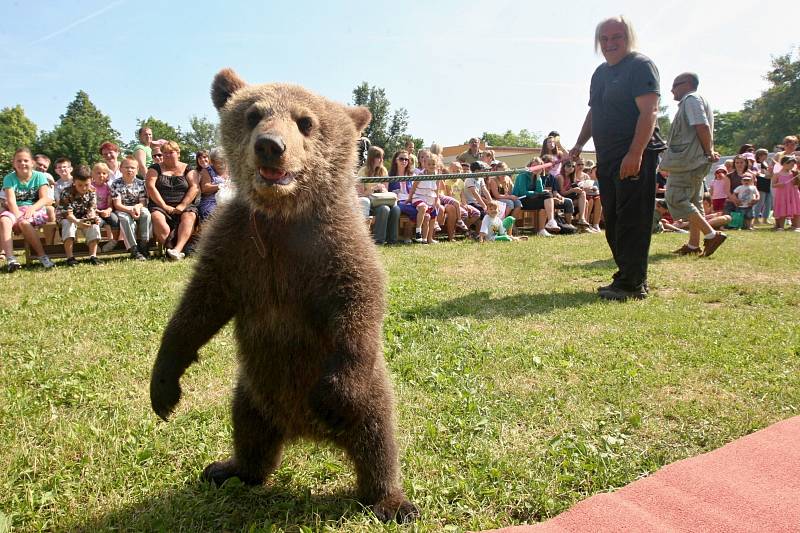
[{"x": 403, "y": 159}]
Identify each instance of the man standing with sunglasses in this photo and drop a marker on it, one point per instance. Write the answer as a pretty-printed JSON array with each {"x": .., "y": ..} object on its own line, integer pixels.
[
  {"x": 623, "y": 106},
  {"x": 688, "y": 159}
]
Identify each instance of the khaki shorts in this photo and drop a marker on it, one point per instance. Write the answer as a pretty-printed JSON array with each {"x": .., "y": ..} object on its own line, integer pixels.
[
  {"x": 684, "y": 193},
  {"x": 69, "y": 229}
]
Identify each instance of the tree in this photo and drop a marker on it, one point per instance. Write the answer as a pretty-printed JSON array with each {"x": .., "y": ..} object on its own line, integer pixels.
[
  {"x": 728, "y": 132},
  {"x": 524, "y": 139},
  {"x": 765, "y": 120},
  {"x": 204, "y": 135},
  {"x": 16, "y": 131},
  {"x": 389, "y": 134},
  {"x": 83, "y": 128},
  {"x": 776, "y": 113},
  {"x": 663, "y": 122}
]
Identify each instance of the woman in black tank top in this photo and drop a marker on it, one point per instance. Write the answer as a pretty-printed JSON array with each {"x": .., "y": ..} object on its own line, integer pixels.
[{"x": 172, "y": 189}]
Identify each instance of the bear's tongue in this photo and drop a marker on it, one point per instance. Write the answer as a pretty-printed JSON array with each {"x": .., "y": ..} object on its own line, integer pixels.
[{"x": 273, "y": 175}]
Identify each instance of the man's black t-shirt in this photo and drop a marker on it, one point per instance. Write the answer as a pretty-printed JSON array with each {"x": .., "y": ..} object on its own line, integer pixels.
[{"x": 612, "y": 98}]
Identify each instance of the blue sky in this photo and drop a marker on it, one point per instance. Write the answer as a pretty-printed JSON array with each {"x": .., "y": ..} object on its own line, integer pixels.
[{"x": 459, "y": 68}]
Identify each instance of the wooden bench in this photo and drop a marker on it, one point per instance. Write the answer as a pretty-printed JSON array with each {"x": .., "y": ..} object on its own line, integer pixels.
[{"x": 50, "y": 237}]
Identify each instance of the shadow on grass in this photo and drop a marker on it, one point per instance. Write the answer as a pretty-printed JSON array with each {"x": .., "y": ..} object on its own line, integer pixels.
[
  {"x": 481, "y": 304},
  {"x": 603, "y": 264},
  {"x": 199, "y": 506}
]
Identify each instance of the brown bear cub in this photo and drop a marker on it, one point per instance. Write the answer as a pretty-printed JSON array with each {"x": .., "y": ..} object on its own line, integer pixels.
[{"x": 290, "y": 259}]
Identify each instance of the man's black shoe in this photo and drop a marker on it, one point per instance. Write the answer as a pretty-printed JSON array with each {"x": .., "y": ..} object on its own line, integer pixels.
[
  {"x": 621, "y": 295},
  {"x": 645, "y": 287}
]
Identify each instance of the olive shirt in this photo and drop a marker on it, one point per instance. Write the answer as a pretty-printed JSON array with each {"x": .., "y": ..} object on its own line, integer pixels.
[{"x": 467, "y": 157}]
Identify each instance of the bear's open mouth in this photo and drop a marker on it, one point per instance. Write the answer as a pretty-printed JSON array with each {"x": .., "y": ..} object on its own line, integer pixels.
[{"x": 274, "y": 176}]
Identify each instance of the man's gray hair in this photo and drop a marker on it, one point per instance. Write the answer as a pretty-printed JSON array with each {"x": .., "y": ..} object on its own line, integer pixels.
[{"x": 630, "y": 35}]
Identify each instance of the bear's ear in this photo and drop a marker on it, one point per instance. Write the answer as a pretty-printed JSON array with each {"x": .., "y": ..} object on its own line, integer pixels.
[
  {"x": 226, "y": 82},
  {"x": 360, "y": 116}
]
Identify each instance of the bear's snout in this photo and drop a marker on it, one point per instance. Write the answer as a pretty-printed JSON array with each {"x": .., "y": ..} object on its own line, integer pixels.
[{"x": 269, "y": 147}]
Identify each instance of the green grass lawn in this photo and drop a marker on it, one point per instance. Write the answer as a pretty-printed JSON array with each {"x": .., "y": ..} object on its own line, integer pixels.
[{"x": 519, "y": 391}]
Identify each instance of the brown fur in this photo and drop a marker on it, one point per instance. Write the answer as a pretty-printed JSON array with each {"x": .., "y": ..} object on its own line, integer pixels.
[{"x": 294, "y": 265}]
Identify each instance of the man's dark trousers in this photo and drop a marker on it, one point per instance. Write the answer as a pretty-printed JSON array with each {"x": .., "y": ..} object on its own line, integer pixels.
[{"x": 628, "y": 213}]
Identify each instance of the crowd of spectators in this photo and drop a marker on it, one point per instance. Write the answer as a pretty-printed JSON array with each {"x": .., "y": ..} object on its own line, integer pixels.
[
  {"x": 168, "y": 200},
  {"x": 746, "y": 190},
  {"x": 145, "y": 197},
  {"x": 562, "y": 194}
]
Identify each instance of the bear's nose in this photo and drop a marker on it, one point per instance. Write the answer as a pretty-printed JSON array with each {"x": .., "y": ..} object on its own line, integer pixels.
[{"x": 270, "y": 145}]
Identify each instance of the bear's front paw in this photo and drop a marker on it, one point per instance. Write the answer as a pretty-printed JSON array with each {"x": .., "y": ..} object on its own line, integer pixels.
[
  {"x": 219, "y": 472},
  {"x": 396, "y": 508},
  {"x": 165, "y": 393}
]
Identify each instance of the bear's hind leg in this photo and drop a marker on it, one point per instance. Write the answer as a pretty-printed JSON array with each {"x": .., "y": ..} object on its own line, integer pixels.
[
  {"x": 257, "y": 444},
  {"x": 372, "y": 447}
]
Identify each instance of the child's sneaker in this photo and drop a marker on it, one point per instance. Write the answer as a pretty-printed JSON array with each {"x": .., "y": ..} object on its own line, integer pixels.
[
  {"x": 13, "y": 266},
  {"x": 461, "y": 226},
  {"x": 418, "y": 237},
  {"x": 71, "y": 262},
  {"x": 93, "y": 260},
  {"x": 46, "y": 262},
  {"x": 136, "y": 254},
  {"x": 172, "y": 255}
]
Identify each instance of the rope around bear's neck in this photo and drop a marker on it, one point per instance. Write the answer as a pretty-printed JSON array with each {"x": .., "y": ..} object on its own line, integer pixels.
[{"x": 260, "y": 247}]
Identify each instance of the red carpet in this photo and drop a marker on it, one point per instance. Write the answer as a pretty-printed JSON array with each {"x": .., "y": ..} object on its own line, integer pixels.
[{"x": 751, "y": 484}]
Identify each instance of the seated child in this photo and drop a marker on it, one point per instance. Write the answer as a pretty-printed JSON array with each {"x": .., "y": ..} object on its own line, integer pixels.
[
  {"x": 748, "y": 196},
  {"x": 77, "y": 210},
  {"x": 716, "y": 219},
  {"x": 63, "y": 169},
  {"x": 493, "y": 228},
  {"x": 424, "y": 195},
  {"x": 662, "y": 219},
  {"x": 25, "y": 193},
  {"x": 105, "y": 211},
  {"x": 475, "y": 191},
  {"x": 129, "y": 197}
]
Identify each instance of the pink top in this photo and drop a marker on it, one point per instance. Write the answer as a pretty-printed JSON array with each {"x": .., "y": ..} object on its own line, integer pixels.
[
  {"x": 103, "y": 195},
  {"x": 784, "y": 177},
  {"x": 720, "y": 188}
]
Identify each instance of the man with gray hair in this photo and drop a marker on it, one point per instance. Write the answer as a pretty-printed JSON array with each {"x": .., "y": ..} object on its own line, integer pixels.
[
  {"x": 471, "y": 154},
  {"x": 688, "y": 159},
  {"x": 623, "y": 105}
]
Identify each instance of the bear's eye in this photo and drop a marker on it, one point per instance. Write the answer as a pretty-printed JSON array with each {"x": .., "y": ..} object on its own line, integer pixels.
[
  {"x": 253, "y": 117},
  {"x": 304, "y": 124}
]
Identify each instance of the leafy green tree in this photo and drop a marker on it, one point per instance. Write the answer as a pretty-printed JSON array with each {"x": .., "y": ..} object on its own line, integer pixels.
[
  {"x": 766, "y": 120},
  {"x": 776, "y": 113},
  {"x": 663, "y": 121},
  {"x": 203, "y": 135},
  {"x": 524, "y": 139},
  {"x": 729, "y": 132},
  {"x": 387, "y": 129},
  {"x": 16, "y": 131},
  {"x": 83, "y": 128}
]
